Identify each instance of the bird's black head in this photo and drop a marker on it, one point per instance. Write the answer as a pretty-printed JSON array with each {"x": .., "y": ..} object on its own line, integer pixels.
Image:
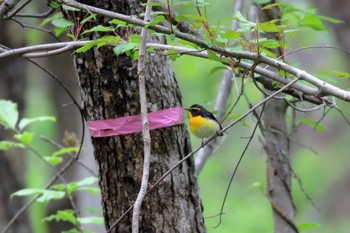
[{"x": 197, "y": 110}]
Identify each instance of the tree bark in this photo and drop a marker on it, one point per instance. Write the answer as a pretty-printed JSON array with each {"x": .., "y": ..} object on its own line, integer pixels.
[
  {"x": 278, "y": 166},
  {"x": 109, "y": 89},
  {"x": 276, "y": 146}
]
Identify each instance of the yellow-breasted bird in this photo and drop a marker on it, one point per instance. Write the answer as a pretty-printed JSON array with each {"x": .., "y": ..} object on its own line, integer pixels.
[{"x": 203, "y": 123}]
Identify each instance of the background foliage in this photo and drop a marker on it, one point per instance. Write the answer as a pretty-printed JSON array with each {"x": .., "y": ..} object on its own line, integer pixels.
[{"x": 324, "y": 174}]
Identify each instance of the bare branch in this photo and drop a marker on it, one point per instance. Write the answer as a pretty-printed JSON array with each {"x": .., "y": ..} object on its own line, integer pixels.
[
  {"x": 29, "y": 51},
  {"x": 20, "y": 7},
  {"x": 299, "y": 90},
  {"x": 141, "y": 65},
  {"x": 39, "y": 16},
  {"x": 6, "y": 7}
]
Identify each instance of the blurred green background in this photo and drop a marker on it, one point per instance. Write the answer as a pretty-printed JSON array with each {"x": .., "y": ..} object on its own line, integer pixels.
[{"x": 324, "y": 175}]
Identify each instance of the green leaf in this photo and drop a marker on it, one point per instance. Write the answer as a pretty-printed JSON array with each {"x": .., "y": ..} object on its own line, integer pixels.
[
  {"x": 8, "y": 114},
  {"x": 49, "y": 19},
  {"x": 261, "y": 186},
  {"x": 270, "y": 6},
  {"x": 86, "y": 47},
  {"x": 230, "y": 35},
  {"x": 99, "y": 42},
  {"x": 53, "y": 160},
  {"x": 65, "y": 150},
  {"x": 188, "y": 17},
  {"x": 122, "y": 48},
  {"x": 338, "y": 74},
  {"x": 62, "y": 23},
  {"x": 317, "y": 126},
  {"x": 78, "y": 185},
  {"x": 173, "y": 54},
  {"x": 62, "y": 215},
  {"x": 25, "y": 137},
  {"x": 59, "y": 31},
  {"x": 6, "y": 145},
  {"x": 91, "y": 190},
  {"x": 208, "y": 42},
  {"x": 136, "y": 38},
  {"x": 99, "y": 28},
  {"x": 261, "y": 1},
  {"x": 308, "y": 225},
  {"x": 313, "y": 21},
  {"x": 70, "y": 8},
  {"x": 190, "y": 3},
  {"x": 54, "y": 4},
  {"x": 117, "y": 22},
  {"x": 45, "y": 194},
  {"x": 107, "y": 40},
  {"x": 92, "y": 16},
  {"x": 270, "y": 43},
  {"x": 86, "y": 181},
  {"x": 91, "y": 220},
  {"x": 244, "y": 24},
  {"x": 212, "y": 56},
  {"x": 156, "y": 20},
  {"x": 331, "y": 20},
  {"x": 27, "y": 121},
  {"x": 270, "y": 26},
  {"x": 215, "y": 69}
]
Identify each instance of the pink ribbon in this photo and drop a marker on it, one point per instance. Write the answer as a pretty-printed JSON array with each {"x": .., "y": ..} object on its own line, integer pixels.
[{"x": 133, "y": 124}]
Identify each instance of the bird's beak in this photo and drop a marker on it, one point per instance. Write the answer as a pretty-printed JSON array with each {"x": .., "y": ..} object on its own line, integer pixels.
[{"x": 186, "y": 109}]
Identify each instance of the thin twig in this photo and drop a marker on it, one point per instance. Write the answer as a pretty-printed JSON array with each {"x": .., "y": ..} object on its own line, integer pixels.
[
  {"x": 237, "y": 165},
  {"x": 141, "y": 66},
  {"x": 343, "y": 115},
  {"x": 23, "y": 25},
  {"x": 39, "y": 16},
  {"x": 274, "y": 130},
  {"x": 70, "y": 153}
]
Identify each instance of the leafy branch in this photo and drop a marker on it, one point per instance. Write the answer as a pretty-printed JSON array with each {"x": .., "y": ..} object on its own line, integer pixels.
[
  {"x": 23, "y": 139},
  {"x": 322, "y": 88}
]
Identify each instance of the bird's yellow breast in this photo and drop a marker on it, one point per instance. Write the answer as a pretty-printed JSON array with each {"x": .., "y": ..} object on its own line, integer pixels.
[{"x": 203, "y": 127}]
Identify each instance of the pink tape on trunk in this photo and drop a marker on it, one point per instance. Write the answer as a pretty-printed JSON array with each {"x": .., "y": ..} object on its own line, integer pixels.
[{"x": 133, "y": 124}]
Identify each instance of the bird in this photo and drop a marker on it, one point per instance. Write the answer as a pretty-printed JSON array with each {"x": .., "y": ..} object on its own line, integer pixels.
[{"x": 203, "y": 123}]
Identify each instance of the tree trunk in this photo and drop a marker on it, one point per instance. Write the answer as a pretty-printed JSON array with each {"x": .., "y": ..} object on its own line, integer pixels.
[
  {"x": 109, "y": 89},
  {"x": 278, "y": 166},
  {"x": 277, "y": 150}
]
